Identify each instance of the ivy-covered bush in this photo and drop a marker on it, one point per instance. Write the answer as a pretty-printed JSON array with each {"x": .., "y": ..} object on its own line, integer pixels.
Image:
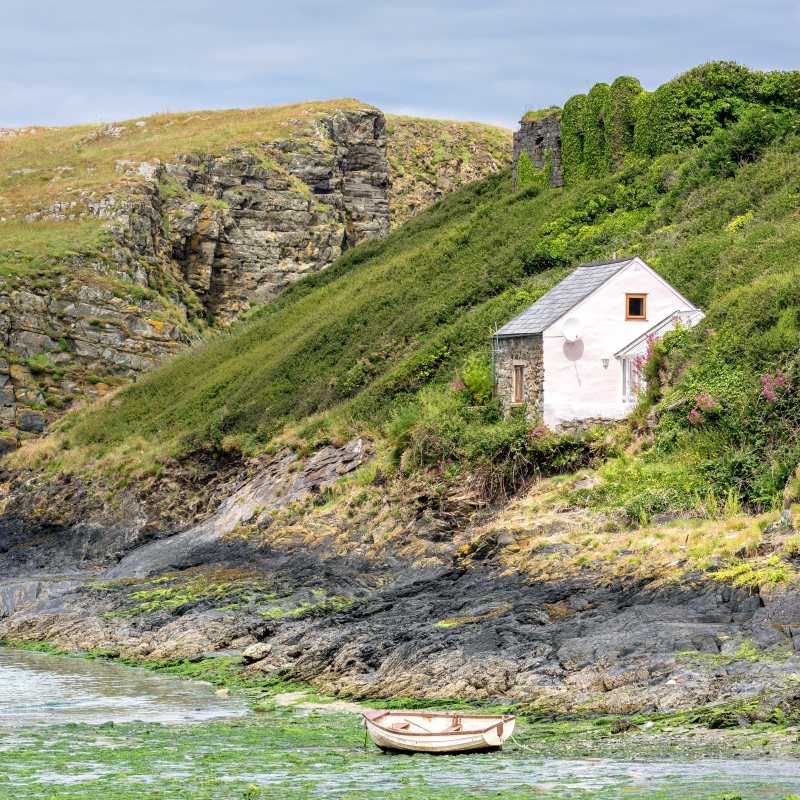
[
  {"x": 620, "y": 119},
  {"x": 572, "y": 140},
  {"x": 595, "y": 155},
  {"x": 603, "y": 127}
]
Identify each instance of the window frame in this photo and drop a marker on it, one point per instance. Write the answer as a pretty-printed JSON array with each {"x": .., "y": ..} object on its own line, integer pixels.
[
  {"x": 631, "y": 380},
  {"x": 518, "y": 384},
  {"x": 635, "y": 296}
]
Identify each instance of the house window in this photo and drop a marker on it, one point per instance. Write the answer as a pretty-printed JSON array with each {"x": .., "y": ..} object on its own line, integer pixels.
[
  {"x": 519, "y": 383},
  {"x": 635, "y": 306},
  {"x": 630, "y": 381}
]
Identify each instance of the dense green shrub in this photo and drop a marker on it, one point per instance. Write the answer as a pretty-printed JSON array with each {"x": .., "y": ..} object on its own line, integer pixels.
[
  {"x": 602, "y": 128},
  {"x": 442, "y": 428},
  {"x": 692, "y": 106},
  {"x": 620, "y": 119},
  {"x": 572, "y": 140},
  {"x": 477, "y": 378}
]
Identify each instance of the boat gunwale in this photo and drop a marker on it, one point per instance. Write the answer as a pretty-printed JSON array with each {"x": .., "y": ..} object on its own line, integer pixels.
[{"x": 373, "y": 717}]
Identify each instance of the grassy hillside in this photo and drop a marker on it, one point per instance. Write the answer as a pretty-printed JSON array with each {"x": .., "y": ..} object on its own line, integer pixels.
[
  {"x": 377, "y": 340},
  {"x": 430, "y": 157},
  {"x": 120, "y": 243}
]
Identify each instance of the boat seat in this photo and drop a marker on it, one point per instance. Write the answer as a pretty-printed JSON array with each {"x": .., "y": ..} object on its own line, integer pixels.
[
  {"x": 401, "y": 726},
  {"x": 454, "y": 728}
]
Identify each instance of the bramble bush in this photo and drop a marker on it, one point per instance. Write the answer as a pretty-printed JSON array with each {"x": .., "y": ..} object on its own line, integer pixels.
[{"x": 442, "y": 429}]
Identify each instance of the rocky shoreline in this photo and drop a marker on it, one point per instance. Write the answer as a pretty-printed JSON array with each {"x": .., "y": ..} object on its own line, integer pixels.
[{"x": 286, "y": 565}]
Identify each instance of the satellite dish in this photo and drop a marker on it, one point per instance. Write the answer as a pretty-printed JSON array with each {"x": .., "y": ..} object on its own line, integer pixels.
[{"x": 572, "y": 329}]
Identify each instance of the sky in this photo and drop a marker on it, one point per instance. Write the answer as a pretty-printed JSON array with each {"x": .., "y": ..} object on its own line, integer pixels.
[{"x": 75, "y": 61}]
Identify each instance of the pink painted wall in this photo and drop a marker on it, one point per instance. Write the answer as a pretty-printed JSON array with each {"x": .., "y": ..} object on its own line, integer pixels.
[{"x": 576, "y": 385}]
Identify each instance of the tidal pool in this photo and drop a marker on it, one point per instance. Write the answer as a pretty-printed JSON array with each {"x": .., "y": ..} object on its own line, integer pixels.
[
  {"x": 41, "y": 688},
  {"x": 190, "y": 751}
]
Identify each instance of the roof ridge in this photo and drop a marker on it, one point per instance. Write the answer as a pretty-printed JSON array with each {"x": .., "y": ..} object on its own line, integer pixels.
[
  {"x": 607, "y": 263},
  {"x": 562, "y": 297}
]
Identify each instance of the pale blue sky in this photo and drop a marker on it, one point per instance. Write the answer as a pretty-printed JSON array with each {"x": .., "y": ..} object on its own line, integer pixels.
[{"x": 89, "y": 60}]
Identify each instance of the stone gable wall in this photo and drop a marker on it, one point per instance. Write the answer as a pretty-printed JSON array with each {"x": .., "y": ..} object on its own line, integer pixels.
[{"x": 508, "y": 352}]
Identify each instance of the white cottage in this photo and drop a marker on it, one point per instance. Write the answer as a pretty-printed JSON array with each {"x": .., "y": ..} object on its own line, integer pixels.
[{"x": 572, "y": 356}]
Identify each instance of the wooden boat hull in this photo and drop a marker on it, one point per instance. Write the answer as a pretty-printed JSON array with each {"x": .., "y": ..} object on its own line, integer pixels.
[{"x": 430, "y": 733}]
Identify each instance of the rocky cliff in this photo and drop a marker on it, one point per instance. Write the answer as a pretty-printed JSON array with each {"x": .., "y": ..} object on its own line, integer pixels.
[{"x": 121, "y": 244}]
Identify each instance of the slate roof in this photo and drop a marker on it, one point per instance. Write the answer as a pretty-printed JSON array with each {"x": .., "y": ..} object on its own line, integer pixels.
[{"x": 577, "y": 286}]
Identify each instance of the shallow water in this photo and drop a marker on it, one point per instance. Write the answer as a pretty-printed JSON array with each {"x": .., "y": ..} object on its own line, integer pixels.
[
  {"x": 41, "y": 688},
  {"x": 300, "y": 753}
]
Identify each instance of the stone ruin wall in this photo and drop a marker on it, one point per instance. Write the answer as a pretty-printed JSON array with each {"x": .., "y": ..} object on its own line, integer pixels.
[{"x": 538, "y": 139}]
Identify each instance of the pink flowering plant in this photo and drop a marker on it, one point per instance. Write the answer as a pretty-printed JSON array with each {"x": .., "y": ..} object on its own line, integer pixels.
[
  {"x": 774, "y": 385},
  {"x": 705, "y": 402},
  {"x": 705, "y": 408},
  {"x": 640, "y": 361},
  {"x": 539, "y": 433},
  {"x": 696, "y": 417}
]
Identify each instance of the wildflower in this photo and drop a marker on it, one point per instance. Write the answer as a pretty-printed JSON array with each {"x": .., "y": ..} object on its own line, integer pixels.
[
  {"x": 458, "y": 385},
  {"x": 705, "y": 402},
  {"x": 695, "y": 417},
  {"x": 709, "y": 331},
  {"x": 539, "y": 433},
  {"x": 771, "y": 385},
  {"x": 641, "y": 360}
]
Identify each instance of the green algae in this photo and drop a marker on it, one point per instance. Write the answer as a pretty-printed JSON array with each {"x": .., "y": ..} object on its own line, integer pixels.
[
  {"x": 311, "y": 749},
  {"x": 299, "y": 753}
]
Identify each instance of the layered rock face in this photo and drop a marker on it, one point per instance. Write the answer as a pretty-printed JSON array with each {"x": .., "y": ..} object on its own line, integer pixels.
[
  {"x": 73, "y": 342},
  {"x": 192, "y": 241},
  {"x": 242, "y": 231}
]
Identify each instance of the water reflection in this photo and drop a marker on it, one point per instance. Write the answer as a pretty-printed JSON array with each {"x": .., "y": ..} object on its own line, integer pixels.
[{"x": 40, "y": 688}]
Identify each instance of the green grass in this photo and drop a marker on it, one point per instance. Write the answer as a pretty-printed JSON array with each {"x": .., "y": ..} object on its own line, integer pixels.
[
  {"x": 45, "y": 248},
  {"x": 374, "y": 341}
]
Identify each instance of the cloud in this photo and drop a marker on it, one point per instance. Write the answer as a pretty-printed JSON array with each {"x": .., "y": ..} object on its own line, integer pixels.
[{"x": 90, "y": 59}]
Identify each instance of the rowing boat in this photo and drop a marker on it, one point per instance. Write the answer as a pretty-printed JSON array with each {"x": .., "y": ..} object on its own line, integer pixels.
[{"x": 431, "y": 732}]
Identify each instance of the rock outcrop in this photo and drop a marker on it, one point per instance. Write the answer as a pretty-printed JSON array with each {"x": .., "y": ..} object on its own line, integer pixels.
[
  {"x": 288, "y": 563},
  {"x": 163, "y": 247},
  {"x": 430, "y": 157},
  {"x": 242, "y": 230}
]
